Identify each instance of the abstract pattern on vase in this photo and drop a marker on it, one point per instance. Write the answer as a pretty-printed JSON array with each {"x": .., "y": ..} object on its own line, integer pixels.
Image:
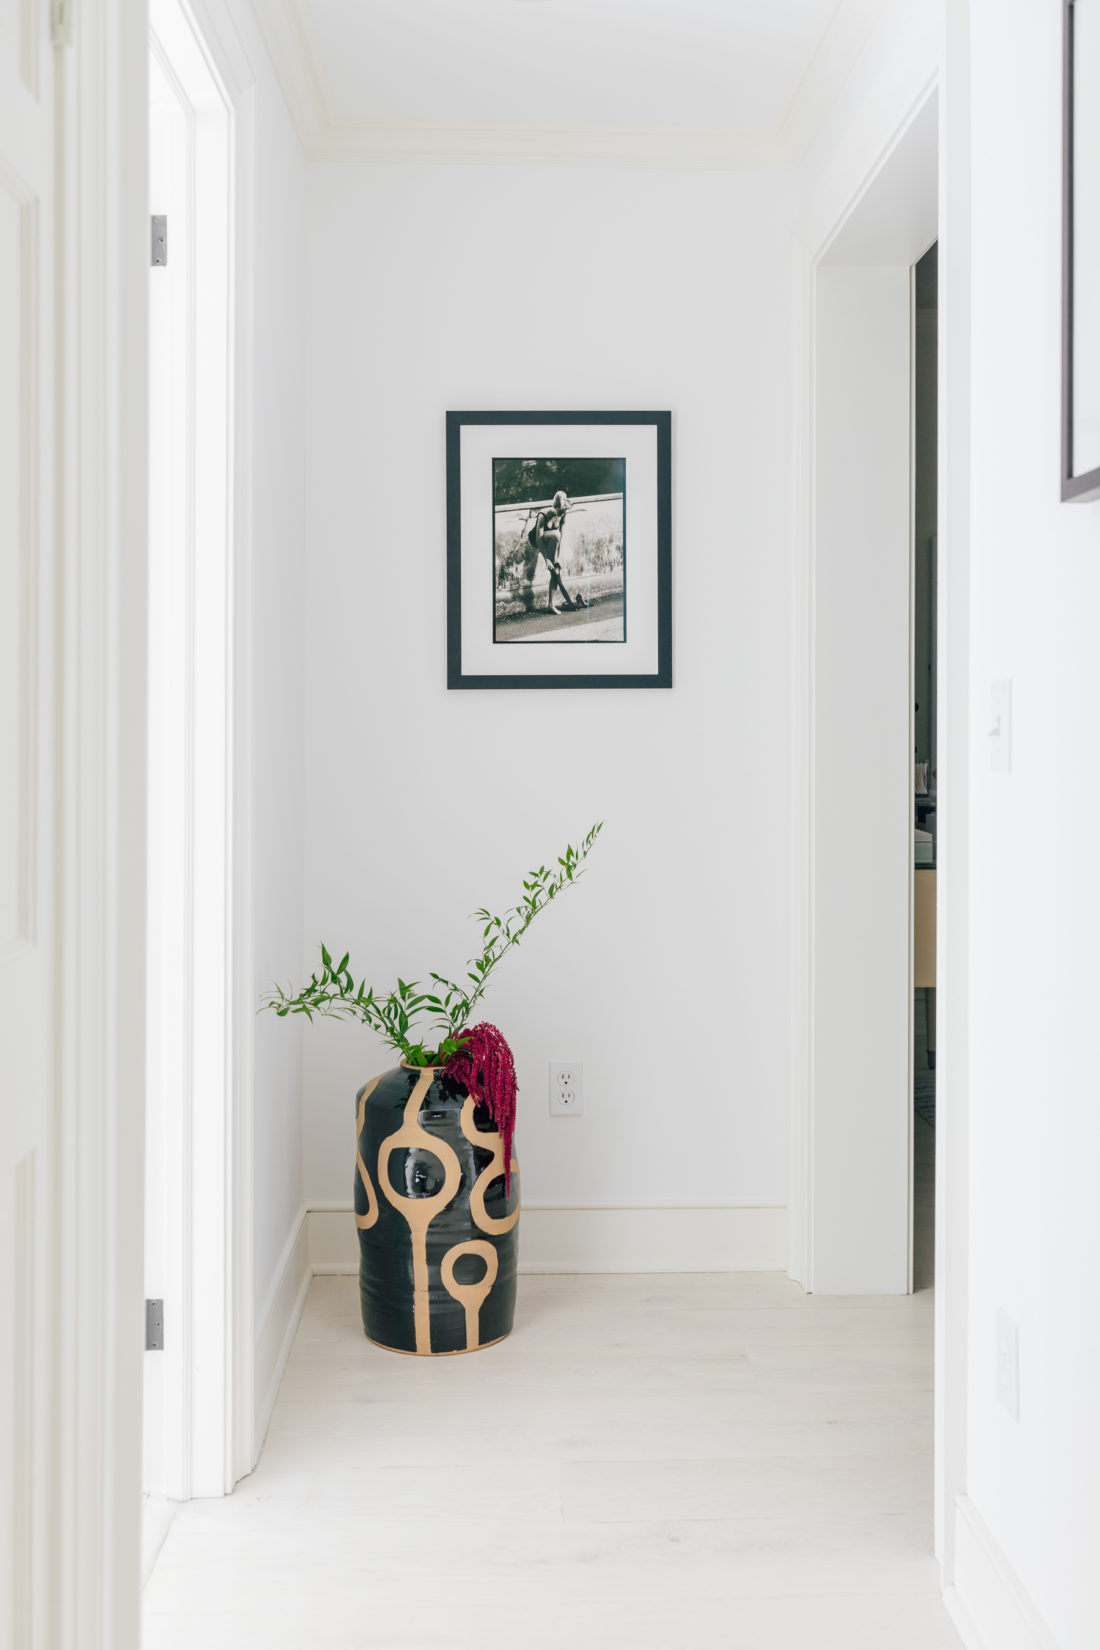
[{"x": 437, "y": 1230}]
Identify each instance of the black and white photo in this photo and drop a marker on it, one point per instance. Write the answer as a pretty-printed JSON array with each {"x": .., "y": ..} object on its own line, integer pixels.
[
  {"x": 559, "y": 559},
  {"x": 559, "y": 566}
]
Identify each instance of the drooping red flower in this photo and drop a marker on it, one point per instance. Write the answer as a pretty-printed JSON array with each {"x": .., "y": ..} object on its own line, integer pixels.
[{"x": 485, "y": 1068}]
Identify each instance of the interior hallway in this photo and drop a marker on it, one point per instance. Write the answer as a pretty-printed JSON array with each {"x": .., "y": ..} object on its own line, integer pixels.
[{"x": 649, "y": 1461}]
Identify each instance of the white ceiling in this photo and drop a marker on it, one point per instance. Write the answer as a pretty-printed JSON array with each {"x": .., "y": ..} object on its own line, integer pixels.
[
  {"x": 694, "y": 82},
  {"x": 599, "y": 62}
]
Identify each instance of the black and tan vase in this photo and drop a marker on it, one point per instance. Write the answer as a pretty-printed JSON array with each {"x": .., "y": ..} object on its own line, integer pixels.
[{"x": 438, "y": 1236}]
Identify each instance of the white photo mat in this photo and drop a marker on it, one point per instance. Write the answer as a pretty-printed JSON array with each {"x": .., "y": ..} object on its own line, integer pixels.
[{"x": 637, "y": 444}]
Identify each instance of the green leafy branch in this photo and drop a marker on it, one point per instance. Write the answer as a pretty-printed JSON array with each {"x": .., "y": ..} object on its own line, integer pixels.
[{"x": 333, "y": 991}]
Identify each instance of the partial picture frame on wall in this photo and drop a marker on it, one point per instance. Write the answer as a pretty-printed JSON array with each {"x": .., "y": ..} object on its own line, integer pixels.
[
  {"x": 1081, "y": 251},
  {"x": 559, "y": 550}
]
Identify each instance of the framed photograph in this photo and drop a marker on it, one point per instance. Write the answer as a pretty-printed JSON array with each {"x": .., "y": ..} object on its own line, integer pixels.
[
  {"x": 559, "y": 550},
  {"x": 1081, "y": 251}
]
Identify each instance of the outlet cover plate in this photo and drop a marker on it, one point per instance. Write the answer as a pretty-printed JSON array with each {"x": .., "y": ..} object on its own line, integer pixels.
[{"x": 566, "y": 1088}]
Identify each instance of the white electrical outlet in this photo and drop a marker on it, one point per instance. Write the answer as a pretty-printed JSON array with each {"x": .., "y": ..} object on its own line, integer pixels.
[
  {"x": 566, "y": 1088},
  {"x": 1008, "y": 1365}
]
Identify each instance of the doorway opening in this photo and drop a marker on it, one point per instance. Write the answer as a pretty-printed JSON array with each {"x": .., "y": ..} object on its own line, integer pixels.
[
  {"x": 925, "y": 765},
  {"x": 853, "y": 1125}
]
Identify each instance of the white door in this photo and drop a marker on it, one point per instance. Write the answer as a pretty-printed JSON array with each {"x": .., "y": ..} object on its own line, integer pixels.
[{"x": 27, "y": 835}]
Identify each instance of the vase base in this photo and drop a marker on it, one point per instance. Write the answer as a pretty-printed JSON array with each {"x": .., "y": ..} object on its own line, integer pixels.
[{"x": 456, "y": 1352}]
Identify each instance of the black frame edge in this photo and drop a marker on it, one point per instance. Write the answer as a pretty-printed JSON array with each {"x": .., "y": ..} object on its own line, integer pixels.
[
  {"x": 662, "y": 677},
  {"x": 454, "y": 550},
  {"x": 1075, "y": 489}
]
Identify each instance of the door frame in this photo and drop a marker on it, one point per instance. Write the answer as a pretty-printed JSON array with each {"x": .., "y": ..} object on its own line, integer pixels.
[
  {"x": 950, "y": 84},
  {"x": 93, "y": 1555},
  {"x": 98, "y": 1150},
  {"x": 206, "y": 1410},
  {"x": 841, "y": 257}
]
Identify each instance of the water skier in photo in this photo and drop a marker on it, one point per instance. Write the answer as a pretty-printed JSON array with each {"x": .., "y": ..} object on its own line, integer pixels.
[{"x": 545, "y": 539}]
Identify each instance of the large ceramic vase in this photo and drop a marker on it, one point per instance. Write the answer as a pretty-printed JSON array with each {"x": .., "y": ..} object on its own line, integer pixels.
[{"x": 437, "y": 1233}]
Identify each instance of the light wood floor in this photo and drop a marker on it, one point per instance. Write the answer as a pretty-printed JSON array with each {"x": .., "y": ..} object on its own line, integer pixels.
[{"x": 648, "y": 1462}]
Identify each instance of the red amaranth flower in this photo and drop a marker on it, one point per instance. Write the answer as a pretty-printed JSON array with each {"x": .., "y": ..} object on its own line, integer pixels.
[{"x": 485, "y": 1068}]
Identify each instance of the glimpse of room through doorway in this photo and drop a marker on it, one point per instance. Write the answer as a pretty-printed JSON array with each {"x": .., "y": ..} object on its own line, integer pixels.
[{"x": 925, "y": 786}]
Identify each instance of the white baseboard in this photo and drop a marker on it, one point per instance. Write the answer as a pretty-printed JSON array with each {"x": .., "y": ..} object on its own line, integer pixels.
[
  {"x": 988, "y": 1603},
  {"x": 277, "y": 1322},
  {"x": 558, "y": 1238}
]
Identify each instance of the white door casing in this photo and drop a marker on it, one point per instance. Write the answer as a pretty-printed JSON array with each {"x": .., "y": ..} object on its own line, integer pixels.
[
  {"x": 72, "y": 718},
  {"x": 198, "y": 1392},
  {"x": 28, "y": 674},
  {"x": 85, "y": 1583},
  {"x": 850, "y": 1124}
]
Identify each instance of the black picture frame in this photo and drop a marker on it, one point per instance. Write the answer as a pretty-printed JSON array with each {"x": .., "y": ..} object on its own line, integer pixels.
[
  {"x": 1084, "y": 487},
  {"x": 457, "y": 677}
]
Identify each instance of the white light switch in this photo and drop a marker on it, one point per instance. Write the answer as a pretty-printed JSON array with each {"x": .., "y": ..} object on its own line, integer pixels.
[{"x": 1000, "y": 727}]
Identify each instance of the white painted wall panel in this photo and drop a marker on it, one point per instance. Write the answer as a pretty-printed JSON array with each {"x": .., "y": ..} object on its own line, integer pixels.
[
  {"x": 668, "y": 971},
  {"x": 862, "y": 783},
  {"x": 1035, "y": 873}
]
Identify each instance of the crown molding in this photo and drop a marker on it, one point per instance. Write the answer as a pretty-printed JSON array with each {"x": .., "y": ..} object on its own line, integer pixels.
[
  {"x": 295, "y": 51},
  {"x": 292, "y": 42},
  {"x": 846, "y": 35},
  {"x": 453, "y": 144}
]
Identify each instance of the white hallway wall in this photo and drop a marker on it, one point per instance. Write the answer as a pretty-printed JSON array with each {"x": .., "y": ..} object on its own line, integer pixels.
[
  {"x": 1035, "y": 877},
  {"x": 667, "y": 973}
]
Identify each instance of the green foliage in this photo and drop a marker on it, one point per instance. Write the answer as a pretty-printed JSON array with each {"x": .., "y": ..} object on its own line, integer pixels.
[
  {"x": 449, "y": 1006},
  {"x": 517, "y": 480}
]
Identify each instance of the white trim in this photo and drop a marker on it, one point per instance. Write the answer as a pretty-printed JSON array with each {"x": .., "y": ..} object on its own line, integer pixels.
[
  {"x": 277, "y": 1323},
  {"x": 953, "y": 736},
  {"x": 219, "y": 34},
  {"x": 824, "y": 218},
  {"x": 292, "y": 42},
  {"x": 813, "y": 255},
  {"x": 988, "y": 1602},
  {"x": 435, "y": 143},
  {"x": 801, "y": 1018},
  {"x": 102, "y": 244},
  {"x": 910, "y": 1017},
  {"x": 846, "y": 34},
  {"x": 897, "y": 135},
  {"x": 190, "y": 1402},
  {"x": 210, "y": 1433},
  {"x": 603, "y": 1238}
]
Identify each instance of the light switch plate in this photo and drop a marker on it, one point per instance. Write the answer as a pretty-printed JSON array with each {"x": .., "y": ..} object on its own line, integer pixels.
[{"x": 1000, "y": 727}]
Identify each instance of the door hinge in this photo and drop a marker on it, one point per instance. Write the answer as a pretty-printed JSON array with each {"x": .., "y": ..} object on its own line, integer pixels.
[
  {"x": 154, "y": 1326},
  {"x": 159, "y": 242},
  {"x": 61, "y": 22}
]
